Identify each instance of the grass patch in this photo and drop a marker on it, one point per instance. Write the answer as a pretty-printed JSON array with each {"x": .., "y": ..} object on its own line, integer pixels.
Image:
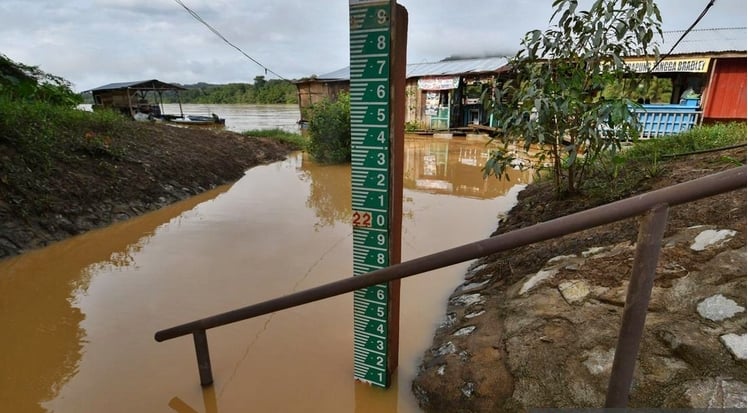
[
  {"x": 616, "y": 176},
  {"x": 37, "y": 137},
  {"x": 40, "y": 132},
  {"x": 697, "y": 139},
  {"x": 293, "y": 139}
]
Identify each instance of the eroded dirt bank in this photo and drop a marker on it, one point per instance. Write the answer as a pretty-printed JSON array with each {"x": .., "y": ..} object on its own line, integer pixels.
[{"x": 154, "y": 165}]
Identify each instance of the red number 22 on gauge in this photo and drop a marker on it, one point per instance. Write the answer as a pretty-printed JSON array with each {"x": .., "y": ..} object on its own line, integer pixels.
[{"x": 362, "y": 219}]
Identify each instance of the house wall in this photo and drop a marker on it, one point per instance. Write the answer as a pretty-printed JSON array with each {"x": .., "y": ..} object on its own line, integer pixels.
[
  {"x": 414, "y": 105},
  {"x": 315, "y": 92},
  {"x": 116, "y": 100},
  {"x": 726, "y": 93}
]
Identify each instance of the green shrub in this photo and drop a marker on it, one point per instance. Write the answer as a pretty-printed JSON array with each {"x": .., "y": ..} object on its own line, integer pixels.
[
  {"x": 39, "y": 132},
  {"x": 330, "y": 130},
  {"x": 616, "y": 175}
]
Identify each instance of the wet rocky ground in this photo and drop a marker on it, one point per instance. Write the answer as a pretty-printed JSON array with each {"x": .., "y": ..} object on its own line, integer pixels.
[{"x": 537, "y": 326}]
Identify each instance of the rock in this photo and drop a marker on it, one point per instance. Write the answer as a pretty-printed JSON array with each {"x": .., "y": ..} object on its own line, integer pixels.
[
  {"x": 446, "y": 348},
  {"x": 593, "y": 251},
  {"x": 476, "y": 314},
  {"x": 599, "y": 361},
  {"x": 536, "y": 279},
  {"x": 474, "y": 269},
  {"x": 561, "y": 258},
  {"x": 711, "y": 393},
  {"x": 465, "y": 331},
  {"x": 710, "y": 237},
  {"x": 727, "y": 265},
  {"x": 468, "y": 389},
  {"x": 474, "y": 287},
  {"x": 449, "y": 320},
  {"x": 718, "y": 308},
  {"x": 467, "y": 300},
  {"x": 574, "y": 291},
  {"x": 736, "y": 344}
]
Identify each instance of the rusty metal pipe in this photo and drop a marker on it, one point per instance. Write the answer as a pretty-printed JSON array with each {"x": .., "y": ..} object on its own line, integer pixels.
[
  {"x": 651, "y": 231},
  {"x": 203, "y": 357},
  {"x": 674, "y": 195}
]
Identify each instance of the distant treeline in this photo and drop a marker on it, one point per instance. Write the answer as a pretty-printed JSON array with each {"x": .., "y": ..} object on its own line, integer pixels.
[{"x": 262, "y": 91}]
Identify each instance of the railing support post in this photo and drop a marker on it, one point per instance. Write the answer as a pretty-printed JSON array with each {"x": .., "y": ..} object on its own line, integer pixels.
[
  {"x": 203, "y": 357},
  {"x": 651, "y": 231}
]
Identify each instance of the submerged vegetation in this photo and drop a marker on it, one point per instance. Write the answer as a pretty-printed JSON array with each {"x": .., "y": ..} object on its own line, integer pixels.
[
  {"x": 330, "y": 130},
  {"x": 295, "y": 140}
]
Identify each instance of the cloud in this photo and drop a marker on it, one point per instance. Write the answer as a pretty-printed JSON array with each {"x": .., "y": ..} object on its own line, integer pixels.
[{"x": 92, "y": 42}]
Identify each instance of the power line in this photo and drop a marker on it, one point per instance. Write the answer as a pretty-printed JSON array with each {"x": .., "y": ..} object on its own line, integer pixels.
[
  {"x": 217, "y": 33},
  {"x": 698, "y": 19}
]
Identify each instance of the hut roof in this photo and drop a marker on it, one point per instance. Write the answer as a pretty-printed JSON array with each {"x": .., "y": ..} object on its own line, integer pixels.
[
  {"x": 152, "y": 84},
  {"x": 456, "y": 67}
]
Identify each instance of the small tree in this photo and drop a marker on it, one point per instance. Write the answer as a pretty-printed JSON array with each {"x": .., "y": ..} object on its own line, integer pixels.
[
  {"x": 21, "y": 82},
  {"x": 330, "y": 130},
  {"x": 554, "y": 99}
]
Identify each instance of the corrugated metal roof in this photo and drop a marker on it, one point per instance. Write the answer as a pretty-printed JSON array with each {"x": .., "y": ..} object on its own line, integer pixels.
[
  {"x": 731, "y": 39},
  {"x": 142, "y": 84},
  {"x": 340, "y": 74},
  {"x": 455, "y": 67},
  {"x": 443, "y": 68}
]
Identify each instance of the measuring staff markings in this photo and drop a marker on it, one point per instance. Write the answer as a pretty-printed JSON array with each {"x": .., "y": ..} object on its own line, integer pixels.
[{"x": 370, "y": 181}]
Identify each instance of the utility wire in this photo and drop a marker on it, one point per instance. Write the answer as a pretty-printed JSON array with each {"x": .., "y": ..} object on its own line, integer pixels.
[
  {"x": 698, "y": 19},
  {"x": 217, "y": 33}
]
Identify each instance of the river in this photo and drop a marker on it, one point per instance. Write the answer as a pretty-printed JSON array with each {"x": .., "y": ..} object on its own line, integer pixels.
[
  {"x": 79, "y": 316},
  {"x": 240, "y": 117}
]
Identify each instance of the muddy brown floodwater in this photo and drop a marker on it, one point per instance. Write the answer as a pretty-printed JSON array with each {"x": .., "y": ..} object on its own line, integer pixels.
[{"x": 78, "y": 317}]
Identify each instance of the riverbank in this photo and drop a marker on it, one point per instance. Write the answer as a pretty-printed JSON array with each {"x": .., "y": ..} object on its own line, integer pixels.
[
  {"x": 112, "y": 174},
  {"x": 537, "y": 326}
]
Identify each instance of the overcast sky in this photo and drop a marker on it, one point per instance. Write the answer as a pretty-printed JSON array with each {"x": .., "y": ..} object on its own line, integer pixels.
[{"x": 94, "y": 42}]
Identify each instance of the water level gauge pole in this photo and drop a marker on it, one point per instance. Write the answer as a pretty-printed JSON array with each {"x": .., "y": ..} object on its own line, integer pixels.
[{"x": 378, "y": 33}]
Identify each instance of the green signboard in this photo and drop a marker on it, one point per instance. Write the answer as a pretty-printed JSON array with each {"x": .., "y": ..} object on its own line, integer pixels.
[{"x": 371, "y": 28}]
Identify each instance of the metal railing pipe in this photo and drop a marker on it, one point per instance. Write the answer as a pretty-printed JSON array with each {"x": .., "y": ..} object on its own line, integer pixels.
[
  {"x": 674, "y": 195},
  {"x": 648, "y": 244}
]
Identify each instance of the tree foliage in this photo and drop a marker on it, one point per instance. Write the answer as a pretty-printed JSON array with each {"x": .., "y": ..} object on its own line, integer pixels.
[
  {"x": 555, "y": 98},
  {"x": 263, "y": 91},
  {"x": 20, "y": 82},
  {"x": 330, "y": 130}
]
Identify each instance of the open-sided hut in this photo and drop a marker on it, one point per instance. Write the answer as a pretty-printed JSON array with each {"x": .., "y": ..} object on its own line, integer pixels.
[{"x": 131, "y": 98}]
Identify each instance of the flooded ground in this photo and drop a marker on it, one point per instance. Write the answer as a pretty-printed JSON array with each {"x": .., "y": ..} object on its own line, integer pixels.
[{"x": 78, "y": 317}]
